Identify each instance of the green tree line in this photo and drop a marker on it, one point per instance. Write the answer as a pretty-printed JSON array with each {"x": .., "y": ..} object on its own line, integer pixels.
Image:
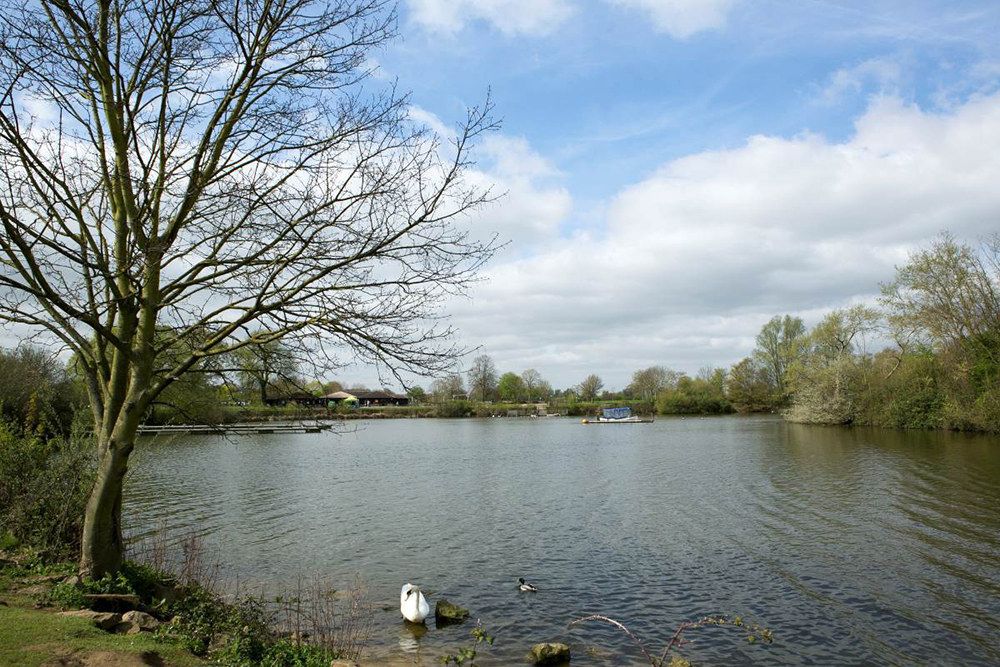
[{"x": 926, "y": 356}]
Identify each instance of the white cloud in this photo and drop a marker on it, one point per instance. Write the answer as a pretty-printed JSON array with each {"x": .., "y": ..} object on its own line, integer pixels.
[
  {"x": 530, "y": 203},
  {"x": 882, "y": 73},
  {"x": 431, "y": 121},
  {"x": 511, "y": 17},
  {"x": 694, "y": 259},
  {"x": 533, "y": 205},
  {"x": 682, "y": 18}
]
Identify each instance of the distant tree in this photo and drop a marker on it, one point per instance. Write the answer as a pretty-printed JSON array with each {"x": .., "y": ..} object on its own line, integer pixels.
[
  {"x": 694, "y": 396},
  {"x": 747, "y": 386},
  {"x": 779, "y": 345},
  {"x": 531, "y": 379},
  {"x": 510, "y": 387},
  {"x": 447, "y": 388},
  {"x": 543, "y": 392},
  {"x": 482, "y": 377},
  {"x": 35, "y": 389},
  {"x": 590, "y": 387},
  {"x": 824, "y": 383},
  {"x": 332, "y": 387},
  {"x": 263, "y": 365},
  {"x": 314, "y": 387},
  {"x": 417, "y": 394},
  {"x": 950, "y": 295},
  {"x": 716, "y": 377},
  {"x": 649, "y": 382}
]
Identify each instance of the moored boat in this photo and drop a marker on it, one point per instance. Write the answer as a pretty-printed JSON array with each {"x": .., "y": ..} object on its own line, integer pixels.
[{"x": 617, "y": 416}]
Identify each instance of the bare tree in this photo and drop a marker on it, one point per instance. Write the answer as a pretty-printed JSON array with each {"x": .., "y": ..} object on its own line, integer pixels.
[
  {"x": 482, "y": 377},
  {"x": 591, "y": 387},
  {"x": 649, "y": 382},
  {"x": 262, "y": 364},
  {"x": 532, "y": 381},
  {"x": 205, "y": 175},
  {"x": 448, "y": 387}
]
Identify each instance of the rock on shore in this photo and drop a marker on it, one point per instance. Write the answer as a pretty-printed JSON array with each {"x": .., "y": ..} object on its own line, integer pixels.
[{"x": 549, "y": 654}]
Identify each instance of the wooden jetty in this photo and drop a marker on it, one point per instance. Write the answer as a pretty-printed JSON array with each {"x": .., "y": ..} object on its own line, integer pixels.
[{"x": 234, "y": 429}]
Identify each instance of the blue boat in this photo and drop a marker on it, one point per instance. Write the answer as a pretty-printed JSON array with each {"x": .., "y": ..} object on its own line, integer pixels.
[{"x": 617, "y": 416}]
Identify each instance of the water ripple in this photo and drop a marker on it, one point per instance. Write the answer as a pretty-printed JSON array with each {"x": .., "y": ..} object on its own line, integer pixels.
[{"x": 855, "y": 546}]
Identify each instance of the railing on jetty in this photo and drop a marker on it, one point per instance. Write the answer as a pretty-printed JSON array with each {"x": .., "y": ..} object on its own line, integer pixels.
[{"x": 233, "y": 429}]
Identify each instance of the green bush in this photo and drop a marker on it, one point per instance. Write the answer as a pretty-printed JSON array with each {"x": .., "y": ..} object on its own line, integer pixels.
[
  {"x": 65, "y": 596},
  {"x": 238, "y": 634},
  {"x": 693, "y": 403},
  {"x": 36, "y": 393},
  {"x": 915, "y": 399},
  {"x": 285, "y": 653},
  {"x": 131, "y": 579},
  {"x": 44, "y": 485},
  {"x": 453, "y": 409},
  {"x": 143, "y": 579},
  {"x": 200, "y": 615}
]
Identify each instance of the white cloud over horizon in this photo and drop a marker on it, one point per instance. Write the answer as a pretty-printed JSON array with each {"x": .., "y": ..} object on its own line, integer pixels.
[{"x": 694, "y": 258}]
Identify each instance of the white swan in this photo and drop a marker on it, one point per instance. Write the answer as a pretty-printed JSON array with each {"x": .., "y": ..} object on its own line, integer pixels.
[{"x": 413, "y": 604}]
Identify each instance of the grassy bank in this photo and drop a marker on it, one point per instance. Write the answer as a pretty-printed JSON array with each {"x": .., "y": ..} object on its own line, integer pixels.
[
  {"x": 146, "y": 616},
  {"x": 33, "y": 633}
]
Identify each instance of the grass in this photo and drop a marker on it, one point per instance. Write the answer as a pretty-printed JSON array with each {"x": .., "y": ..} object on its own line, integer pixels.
[
  {"x": 243, "y": 631},
  {"x": 31, "y": 637}
]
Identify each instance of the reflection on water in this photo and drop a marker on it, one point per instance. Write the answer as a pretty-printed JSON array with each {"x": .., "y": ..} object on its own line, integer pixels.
[
  {"x": 410, "y": 635},
  {"x": 856, "y": 546}
]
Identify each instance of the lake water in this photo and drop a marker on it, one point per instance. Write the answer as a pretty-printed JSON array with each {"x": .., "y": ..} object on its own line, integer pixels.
[{"x": 855, "y": 546}]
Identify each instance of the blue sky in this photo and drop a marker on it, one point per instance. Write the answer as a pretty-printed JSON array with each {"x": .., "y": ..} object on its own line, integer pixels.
[
  {"x": 679, "y": 171},
  {"x": 607, "y": 90}
]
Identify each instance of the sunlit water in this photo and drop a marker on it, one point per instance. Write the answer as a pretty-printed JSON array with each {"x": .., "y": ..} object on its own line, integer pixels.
[{"x": 855, "y": 546}]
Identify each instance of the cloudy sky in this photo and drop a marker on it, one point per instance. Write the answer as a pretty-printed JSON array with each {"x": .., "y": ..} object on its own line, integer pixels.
[{"x": 679, "y": 171}]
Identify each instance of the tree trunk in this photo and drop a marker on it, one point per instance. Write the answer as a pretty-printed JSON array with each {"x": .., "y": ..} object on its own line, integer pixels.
[{"x": 103, "y": 548}]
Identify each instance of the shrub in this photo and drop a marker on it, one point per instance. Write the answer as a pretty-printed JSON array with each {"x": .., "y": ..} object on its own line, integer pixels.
[
  {"x": 36, "y": 392},
  {"x": 243, "y": 633},
  {"x": 131, "y": 579},
  {"x": 915, "y": 399},
  {"x": 694, "y": 402},
  {"x": 453, "y": 409},
  {"x": 44, "y": 485}
]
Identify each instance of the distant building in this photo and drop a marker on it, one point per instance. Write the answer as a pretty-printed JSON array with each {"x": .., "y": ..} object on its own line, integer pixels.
[
  {"x": 301, "y": 398},
  {"x": 367, "y": 399}
]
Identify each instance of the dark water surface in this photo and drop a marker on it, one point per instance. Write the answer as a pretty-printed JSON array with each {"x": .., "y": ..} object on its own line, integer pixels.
[{"x": 855, "y": 546}]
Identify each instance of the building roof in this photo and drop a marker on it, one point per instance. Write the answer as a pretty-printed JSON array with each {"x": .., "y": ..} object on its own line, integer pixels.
[
  {"x": 367, "y": 395},
  {"x": 364, "y": 395},
  {"x": 339, "y": 395}
]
